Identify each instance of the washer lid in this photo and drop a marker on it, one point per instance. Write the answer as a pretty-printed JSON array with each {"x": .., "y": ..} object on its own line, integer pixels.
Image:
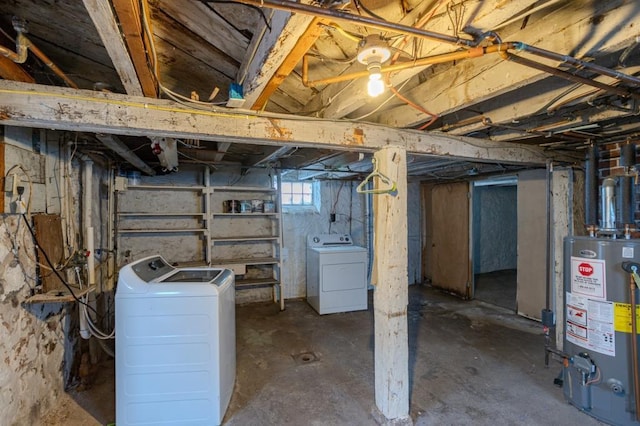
[{"x": 199, "y": 275}]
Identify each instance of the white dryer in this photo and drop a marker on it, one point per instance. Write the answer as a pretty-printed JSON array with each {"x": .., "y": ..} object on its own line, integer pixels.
[
  {"x": 175, "y": 344},
  {"x": 336, "y": 274}
]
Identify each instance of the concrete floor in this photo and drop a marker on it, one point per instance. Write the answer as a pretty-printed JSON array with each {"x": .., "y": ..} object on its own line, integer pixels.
[
  {"x": 497, "y": 287},
  {"x": 470, "y": 363}
]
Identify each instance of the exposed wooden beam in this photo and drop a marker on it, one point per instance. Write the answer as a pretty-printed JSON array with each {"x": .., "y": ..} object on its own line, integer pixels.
[
  {"x": 9, "y": 70},
  {"x": 222, "y": 149},
  {"x": 107, "y": 26},
  {"x": 129, "y": 16},
  {"x": 300, "y": 48},
  {"x": 268, "y": 52},
  {"x": 28, "y": 105},
  {"x": 119, "y": 147}
]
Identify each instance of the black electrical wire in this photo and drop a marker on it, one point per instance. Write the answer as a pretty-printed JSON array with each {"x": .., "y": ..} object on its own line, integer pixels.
[
  {"x": 369, "y": 12},
  {"x": 53, "y": 268},
  {"x": 264, "y": 18}
]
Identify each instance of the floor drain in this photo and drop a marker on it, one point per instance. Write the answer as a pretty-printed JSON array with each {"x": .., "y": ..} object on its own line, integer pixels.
[{"x": 305, "y": 358}]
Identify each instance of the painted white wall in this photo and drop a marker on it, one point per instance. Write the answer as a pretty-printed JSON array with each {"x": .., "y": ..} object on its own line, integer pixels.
[
  {"x": 339, "y": 197},
  {"x": 495, "y": 228},
  {"x": 351, "y": 217}
]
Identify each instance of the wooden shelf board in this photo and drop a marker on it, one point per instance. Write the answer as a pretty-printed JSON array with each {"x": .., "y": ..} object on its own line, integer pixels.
[
  {"x": 232, "y": 239},
  {"x": 168, "y": 187},
  {"x": 256, "y": 282},
  {"x": 159, "y": 231},
  {"x": 159, "y": 214},
  {"x": 58, "y": 296},
  {"x": 244, "y": 214},
  {"x": 242, "y": 189},
  {"x": 246, "y": 261}
]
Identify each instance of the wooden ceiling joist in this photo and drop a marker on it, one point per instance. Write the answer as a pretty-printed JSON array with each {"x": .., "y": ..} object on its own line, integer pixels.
[
  {"x": 305, "y": 42},
  {"x": 130, "y": 18},
  {"x": 107, "y": 26}
]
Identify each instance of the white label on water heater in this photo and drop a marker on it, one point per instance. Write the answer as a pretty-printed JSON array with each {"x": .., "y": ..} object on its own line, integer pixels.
[
  {"x": 590, "y": 324},
  {"x": 588, "y": 277},
  {"x": 627, "y": 252}
]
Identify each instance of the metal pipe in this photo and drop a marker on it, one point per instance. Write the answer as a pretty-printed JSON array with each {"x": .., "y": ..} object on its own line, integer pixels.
[
  {"x": 566, "y": 59},
  {"x": 430, "y": 60},
  {"x": 608, "y": 205},
  {"x": 49, "y": 63},
  {"x": 627, "y": 160},
  {"x": 20, "y": 55},
  {"x": 571, "y": 77},
  {"x": 634, "y": 342},
  {"x": 591, "y": 186},
  {"x": 339, "y": 15}
]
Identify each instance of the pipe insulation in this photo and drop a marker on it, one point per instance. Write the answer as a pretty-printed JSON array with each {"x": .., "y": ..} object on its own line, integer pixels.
[
  {"x": 591, "y": 186},
  {"x": 627, "y": 160}
]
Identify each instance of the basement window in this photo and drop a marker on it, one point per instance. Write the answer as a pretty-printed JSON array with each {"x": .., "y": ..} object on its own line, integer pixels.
[{"x": 297, "y": 194}]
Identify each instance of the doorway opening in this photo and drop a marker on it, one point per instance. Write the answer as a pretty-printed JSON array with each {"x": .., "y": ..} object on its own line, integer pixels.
[{"x": 495, "y": 241}]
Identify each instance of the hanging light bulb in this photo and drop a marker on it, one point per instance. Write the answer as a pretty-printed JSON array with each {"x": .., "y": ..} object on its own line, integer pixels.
[
  {"x": 373, "y": 53},
  {"x": 375, "y": 86}
]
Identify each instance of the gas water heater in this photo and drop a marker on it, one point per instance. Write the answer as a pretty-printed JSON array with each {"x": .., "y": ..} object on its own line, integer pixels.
[
  {"x": 600, "y": 373},
  {"x": 600, "y": 365}
]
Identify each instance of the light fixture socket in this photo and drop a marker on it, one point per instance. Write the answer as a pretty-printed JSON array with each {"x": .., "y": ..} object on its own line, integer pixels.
[{"x": 373, "y": 49}]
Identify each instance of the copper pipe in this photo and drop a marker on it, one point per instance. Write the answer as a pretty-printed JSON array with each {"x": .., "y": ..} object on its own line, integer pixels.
[
  {"x": 20, "y": 55},
  {"x": 436, "y": 59},
  {"x": 49, "y": 63},
  {"x": 634, "y": 343},
  {"x": 303, "y": 9}
]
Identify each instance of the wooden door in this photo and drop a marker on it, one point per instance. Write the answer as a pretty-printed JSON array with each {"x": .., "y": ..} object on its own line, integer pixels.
[
  {"x": 532, "y": 243},
  {"x": 451, "y": 260}
]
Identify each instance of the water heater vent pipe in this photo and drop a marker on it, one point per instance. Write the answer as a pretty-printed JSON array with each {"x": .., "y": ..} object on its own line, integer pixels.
[{"x": 608, "y": 205}]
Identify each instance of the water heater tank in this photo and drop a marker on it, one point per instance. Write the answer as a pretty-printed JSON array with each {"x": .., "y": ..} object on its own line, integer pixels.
[{"x": 599, "y": 376}]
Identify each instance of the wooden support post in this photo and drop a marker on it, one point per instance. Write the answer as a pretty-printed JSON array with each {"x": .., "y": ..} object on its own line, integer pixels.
[{"x": 391, "y": 288}]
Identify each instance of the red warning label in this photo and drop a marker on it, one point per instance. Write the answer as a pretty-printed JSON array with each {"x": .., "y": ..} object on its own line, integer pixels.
[{"x": 588, "y": 277}]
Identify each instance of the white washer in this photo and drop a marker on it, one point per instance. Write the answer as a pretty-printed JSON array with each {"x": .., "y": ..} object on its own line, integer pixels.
[
  {"x": 175, "y": 344},
  {"x": 336, "y": 274}
]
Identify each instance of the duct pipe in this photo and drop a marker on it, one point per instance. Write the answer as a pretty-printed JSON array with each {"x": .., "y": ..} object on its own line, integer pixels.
[
  {"x": 627, "y": 160},
  {"x": 366, "y": 21},
  {"x": 608, "y": 205},
  {"x": 591, "y": 189}
]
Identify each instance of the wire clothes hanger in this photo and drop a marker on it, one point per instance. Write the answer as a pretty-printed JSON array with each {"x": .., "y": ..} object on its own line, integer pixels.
[{"x": 390, "y": 184}]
